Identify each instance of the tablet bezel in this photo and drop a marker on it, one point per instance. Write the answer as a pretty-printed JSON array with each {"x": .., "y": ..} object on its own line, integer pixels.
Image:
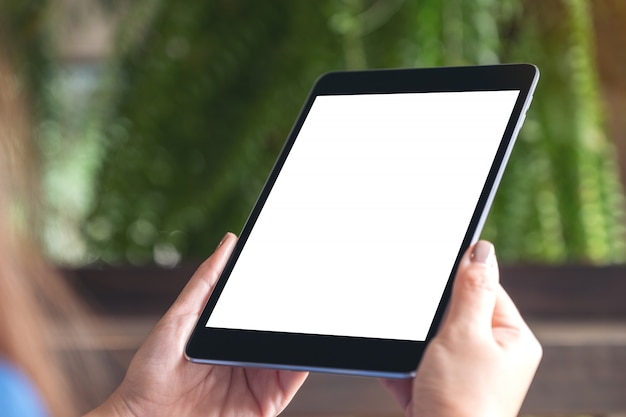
[{"x": 356, "y": 355}]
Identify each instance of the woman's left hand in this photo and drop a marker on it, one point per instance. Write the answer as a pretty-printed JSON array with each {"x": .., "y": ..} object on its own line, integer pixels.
[{"x": 161, "y": 382}]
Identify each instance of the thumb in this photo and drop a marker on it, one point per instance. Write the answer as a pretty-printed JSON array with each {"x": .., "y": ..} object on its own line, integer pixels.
[
  {"x": 195, "y": 294},
  {"x": 178, "y": 322},
  {"x": 474, "y": 291}
]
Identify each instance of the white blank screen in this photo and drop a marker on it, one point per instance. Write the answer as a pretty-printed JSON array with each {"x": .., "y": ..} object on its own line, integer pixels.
[{"x": 362, "y": 227}]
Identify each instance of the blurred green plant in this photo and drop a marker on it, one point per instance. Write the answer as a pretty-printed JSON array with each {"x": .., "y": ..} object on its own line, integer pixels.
[
  {"x": 199, "y": 97},
  {"x": 560, "y": 199},
  {"x": 207, "y": 96},
  {"x": 23, "y": 30}
]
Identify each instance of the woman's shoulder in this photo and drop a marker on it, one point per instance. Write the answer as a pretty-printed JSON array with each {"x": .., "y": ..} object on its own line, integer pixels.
[{"x": 18, "y": 396}]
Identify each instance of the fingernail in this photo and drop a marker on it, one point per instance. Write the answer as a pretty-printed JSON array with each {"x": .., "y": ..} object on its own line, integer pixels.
[{"x": 482, "y": 253}]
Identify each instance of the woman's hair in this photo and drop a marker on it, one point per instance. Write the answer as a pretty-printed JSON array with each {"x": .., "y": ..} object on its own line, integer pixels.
[{"x": 36, "y": 304}]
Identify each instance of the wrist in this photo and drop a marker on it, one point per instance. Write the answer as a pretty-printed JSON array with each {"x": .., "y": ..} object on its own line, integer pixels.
[{"x": 114, "y": 406}]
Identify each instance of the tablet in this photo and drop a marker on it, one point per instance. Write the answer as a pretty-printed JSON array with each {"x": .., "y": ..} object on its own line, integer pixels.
[{"x": 346, "y": 261}]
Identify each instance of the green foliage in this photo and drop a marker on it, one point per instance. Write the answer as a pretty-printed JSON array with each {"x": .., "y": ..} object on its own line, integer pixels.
[
  {"x": 208, "y": 92},
  {"x": 199, "y": 97},
  {"x": 560, "y": 198},
  {"x": 23, "y": 34},
  {"x": 206, "y": 99}
]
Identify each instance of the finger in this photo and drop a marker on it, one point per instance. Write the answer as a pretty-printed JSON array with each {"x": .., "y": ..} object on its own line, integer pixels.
[
  {"x": 193, "y": 297},
  {"x": 401, "y": 389},
  {"x": 474, "y": 291},
  {"x": 505, "y": 314},
  {"x": 510, "y": 330}
]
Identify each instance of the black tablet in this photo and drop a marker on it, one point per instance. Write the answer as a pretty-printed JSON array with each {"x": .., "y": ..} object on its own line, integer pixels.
[{"x": 346, "y": 261}]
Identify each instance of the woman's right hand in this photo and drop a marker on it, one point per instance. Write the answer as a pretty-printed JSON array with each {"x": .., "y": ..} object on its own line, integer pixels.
[{"x": 484, "y": 357}]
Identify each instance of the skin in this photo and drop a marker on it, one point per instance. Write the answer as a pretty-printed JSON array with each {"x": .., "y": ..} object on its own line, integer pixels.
[
  {"x": 161, "y": 382},
  {"x": 481, "y": 362},
  {"x": 484, "y": 357}
]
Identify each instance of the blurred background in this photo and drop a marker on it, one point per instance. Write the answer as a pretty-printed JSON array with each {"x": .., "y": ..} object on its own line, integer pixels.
[{"x": 156, "y": 122}]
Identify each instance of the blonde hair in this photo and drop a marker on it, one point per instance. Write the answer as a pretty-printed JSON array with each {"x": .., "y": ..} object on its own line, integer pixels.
[{"x": 35, "y": 301}]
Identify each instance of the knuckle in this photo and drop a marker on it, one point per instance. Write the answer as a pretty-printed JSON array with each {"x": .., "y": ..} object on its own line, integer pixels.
[
  {"x": 535, "y": 348},
  {"x": 477, "y": 279}
]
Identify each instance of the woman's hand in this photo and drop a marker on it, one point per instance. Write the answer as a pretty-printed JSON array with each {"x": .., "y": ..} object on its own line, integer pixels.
[
  {"x": 161, "y": 382},
  {"x": 483, "y": 359}
]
